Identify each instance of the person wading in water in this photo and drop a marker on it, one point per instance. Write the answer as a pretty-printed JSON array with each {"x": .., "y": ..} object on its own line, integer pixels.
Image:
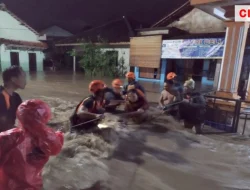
[{"x": 14, "y": 78}]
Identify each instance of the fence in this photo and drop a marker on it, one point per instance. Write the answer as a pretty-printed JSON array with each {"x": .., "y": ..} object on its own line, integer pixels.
[{"x": 224, "y": 113}]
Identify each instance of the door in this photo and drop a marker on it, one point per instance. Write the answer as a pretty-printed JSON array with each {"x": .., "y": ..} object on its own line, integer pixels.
[
  {"x": 198, "y": 69},
  {"x": 32, "y": 62},
  {"x": 14, "y": 58}
]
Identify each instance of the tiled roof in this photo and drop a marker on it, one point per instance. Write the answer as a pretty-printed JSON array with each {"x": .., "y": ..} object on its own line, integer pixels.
[
  {"x": 113, "y": 32},
  {"x": 23, "y": 43}
]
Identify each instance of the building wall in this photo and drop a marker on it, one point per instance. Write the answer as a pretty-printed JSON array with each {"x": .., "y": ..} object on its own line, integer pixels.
[
  {"x": 5, "y": 59},
  {"x": 10, "y": 28},
  {"x": 122, "y": 52},
  {"x": 197, "y": 21}
]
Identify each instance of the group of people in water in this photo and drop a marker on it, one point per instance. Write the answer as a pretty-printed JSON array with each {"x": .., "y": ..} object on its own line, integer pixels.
[
  {"x": 26, "y": 147},
  {"x": 175, "y": 99}
]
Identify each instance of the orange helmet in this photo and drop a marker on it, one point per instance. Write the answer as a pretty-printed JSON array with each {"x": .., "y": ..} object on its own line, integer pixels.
[
  {"x": 117, "y": 83},
  {"x": 130, "y": 75},
  {"x": 96, "y": 85},
  {"x": 171, "y": 76}
]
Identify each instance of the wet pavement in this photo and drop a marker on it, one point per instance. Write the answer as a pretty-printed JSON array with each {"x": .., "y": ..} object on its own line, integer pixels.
[{"x": 158, "y": 154}]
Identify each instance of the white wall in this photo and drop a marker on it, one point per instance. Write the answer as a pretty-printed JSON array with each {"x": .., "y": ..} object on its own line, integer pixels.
[
  {"x": 122, "y": 52},
  {"x": 23, "y": 59},
  {"x": 10, "y": 28},
  {"x": 197, "y": 21},
  {"x": 56, "y": 31}
]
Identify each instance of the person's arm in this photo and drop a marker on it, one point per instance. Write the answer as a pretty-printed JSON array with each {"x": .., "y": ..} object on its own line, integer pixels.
[
  {"x": 8, "y": 141},
  {"x": 3, "y": 110},
  {"x": 145, "y": 106},
  {"x": 161, "y": 101},
  {"x": 50, "y": 142},
  {"x": 124, "y": 91}
]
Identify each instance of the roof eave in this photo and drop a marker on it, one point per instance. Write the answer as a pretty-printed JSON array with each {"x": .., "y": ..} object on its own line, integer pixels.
[{"x": 4, "y": 8}]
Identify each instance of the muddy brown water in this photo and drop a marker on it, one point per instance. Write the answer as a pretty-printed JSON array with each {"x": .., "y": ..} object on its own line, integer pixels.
[{"x": 158, "y": 154}]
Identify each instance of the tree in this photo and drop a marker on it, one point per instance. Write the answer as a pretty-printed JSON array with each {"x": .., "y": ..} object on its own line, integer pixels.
[{"x": 95, "y": 60}]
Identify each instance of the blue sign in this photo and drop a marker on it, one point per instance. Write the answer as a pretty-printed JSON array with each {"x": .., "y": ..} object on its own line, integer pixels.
[{"x": 193, "y": 48}]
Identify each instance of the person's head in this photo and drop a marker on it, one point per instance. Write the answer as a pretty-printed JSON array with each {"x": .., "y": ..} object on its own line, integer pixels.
[
  {"x": 168, "y": 84},
  {"x": 130, "y": 76},
  {"x": 96, "y": 87},
  {"x": 171, "y": 76},
  {"x": 33, "y": 114},
  {"x": 190, "y": 77},
  {"x": 117, "y": 84},
  {"x": 15, "y": 77},
  {"x": 132, "y": 95}
]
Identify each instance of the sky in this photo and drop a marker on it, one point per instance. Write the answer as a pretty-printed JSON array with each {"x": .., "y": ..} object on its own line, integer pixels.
[{"x": 75, "y": 14}]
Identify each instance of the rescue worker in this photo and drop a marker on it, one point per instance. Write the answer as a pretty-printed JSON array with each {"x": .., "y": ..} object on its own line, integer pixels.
[
  {"x": 189, "y": 84},
  {"x": 26, "y": 149},
  {"x": 173, "y": 77},
  {"x": 193, "y": 110},
  {"x": 172, "y": 108},
  {"x": 90, "y": 108},
  {"x": 14, "y": 78},
  {"x": 114, "y": 95},
  {"x": 136, "y": 103},
  {"x": 132, "y": 83}
]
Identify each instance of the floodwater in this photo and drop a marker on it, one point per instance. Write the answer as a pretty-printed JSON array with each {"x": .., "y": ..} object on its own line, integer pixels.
[{"x": 156, "y": 155}]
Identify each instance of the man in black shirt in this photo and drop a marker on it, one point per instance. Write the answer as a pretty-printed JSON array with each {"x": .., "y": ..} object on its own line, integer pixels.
[{"x": 13, "y": 78}]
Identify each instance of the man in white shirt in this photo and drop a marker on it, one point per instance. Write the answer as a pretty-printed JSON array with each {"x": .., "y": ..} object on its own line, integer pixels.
[{"x": 189, "y": 84}]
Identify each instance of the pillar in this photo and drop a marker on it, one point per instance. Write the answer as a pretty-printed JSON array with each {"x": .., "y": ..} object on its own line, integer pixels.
[
  {"x": 235, "y": 42},
  {"x": 248, "y": 82},
  {"x": 74, "y": 64},
  {"x": 137, "y": 74},
  {"x": 217, "y": 74},
  {"x": 163, "y": 70}
]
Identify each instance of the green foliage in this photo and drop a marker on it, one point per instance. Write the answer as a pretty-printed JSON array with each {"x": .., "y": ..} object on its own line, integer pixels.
[{"x": 95, "y": 60}]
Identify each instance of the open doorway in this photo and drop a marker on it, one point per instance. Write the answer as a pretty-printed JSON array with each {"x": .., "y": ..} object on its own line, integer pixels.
[
  {"x": 32, "y": 62},
  {"x": 14, "y": 58}
]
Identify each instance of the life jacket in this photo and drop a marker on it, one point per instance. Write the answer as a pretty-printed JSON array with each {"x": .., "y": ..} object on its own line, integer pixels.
[{"x": 96, "y": 105}]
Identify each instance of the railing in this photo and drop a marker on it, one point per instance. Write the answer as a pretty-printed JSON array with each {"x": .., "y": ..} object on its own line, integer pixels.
[{"x": 224, "y": 113}]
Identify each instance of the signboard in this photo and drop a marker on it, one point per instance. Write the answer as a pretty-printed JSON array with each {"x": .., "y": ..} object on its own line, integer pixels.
[{"x": 206, "y": 48}]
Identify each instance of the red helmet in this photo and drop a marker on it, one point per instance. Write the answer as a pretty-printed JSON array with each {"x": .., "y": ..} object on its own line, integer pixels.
[
  {"x": 96, "y": 85},
  {"x": 130, "y": 75},
  {"x": 171, "y": 76},
  {"x": 117, "y": 83}
]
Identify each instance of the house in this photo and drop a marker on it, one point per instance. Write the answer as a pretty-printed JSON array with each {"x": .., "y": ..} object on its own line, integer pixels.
[
  {"x": 55, "y": 32},
  {"x": 19, "y": 44},
  {"x": 199, "y": 30},
  {"x": 115, "y": 33}
]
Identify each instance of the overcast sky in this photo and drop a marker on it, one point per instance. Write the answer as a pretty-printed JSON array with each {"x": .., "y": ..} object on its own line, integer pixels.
[{"x": 42, "y": 13}]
